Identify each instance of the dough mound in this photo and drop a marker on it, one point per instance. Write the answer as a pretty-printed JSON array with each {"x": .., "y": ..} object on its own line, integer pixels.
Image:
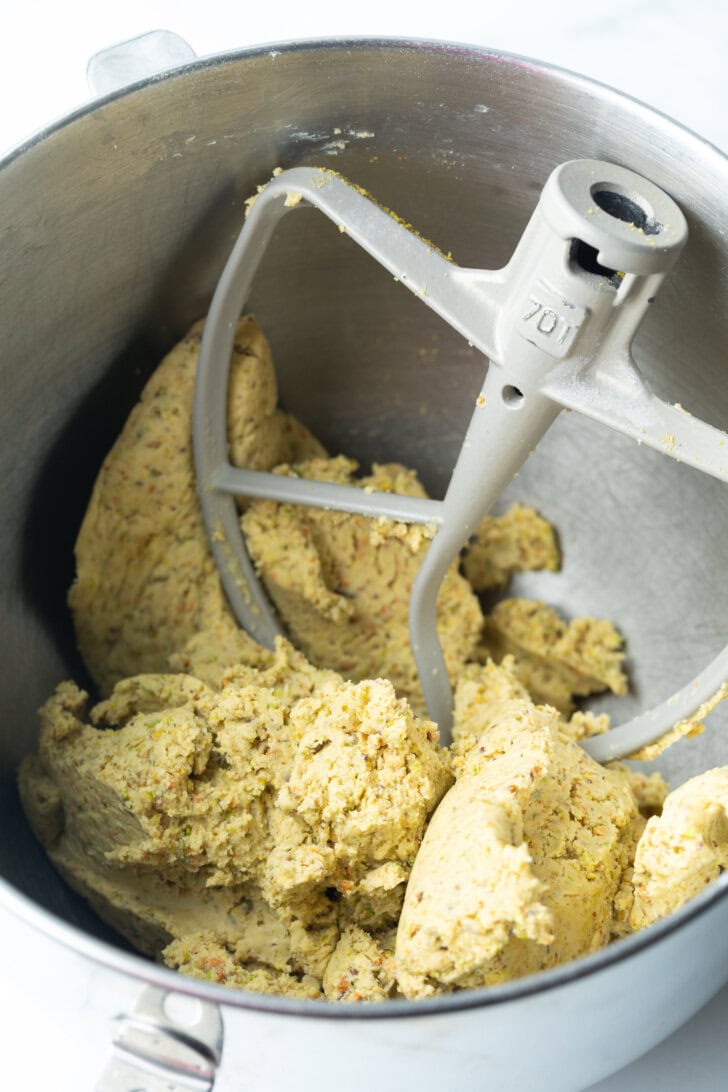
[
  {"x": 261, "y": 819},
  {"x": 145, "y": 579},
  {"x": 341, "y": 583},
  {"x": 260, "y": 822},
  {"x": 522, "y": 861}
]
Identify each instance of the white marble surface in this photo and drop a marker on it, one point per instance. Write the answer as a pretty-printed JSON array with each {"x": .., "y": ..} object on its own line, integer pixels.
[{"x": 672, "y": 54}]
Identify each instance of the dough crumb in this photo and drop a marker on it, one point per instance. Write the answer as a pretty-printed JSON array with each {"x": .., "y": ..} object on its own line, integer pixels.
[
  {"x": 684, "y": 729},
  {"x": 519, "y": 541},
  {"x": 360, "y": 969}
]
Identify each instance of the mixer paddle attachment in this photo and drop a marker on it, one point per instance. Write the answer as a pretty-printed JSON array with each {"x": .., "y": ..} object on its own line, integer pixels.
[{"x": 556, "y": 324}]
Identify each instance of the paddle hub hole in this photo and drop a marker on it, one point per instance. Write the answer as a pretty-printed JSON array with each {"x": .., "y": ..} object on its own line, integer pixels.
[
  {"x": 512, "y": 397},
  {"x": 629, "y": 208}
]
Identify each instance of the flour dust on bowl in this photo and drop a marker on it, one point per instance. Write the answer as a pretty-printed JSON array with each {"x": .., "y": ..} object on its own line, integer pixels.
[{"x": 107, "y": 268}]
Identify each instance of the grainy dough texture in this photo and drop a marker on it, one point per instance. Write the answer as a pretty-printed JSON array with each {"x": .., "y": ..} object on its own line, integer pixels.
[
  {"x": 342, "y": 582},
  {"x": 683, "y": 849},
  {"x": 554, "y": 660},
  {"x": 285, "y": 820},
  {"x": 518, "y": 541},
  {"x": 520, "y": 865},
  {"x": 250, "y": 825}
]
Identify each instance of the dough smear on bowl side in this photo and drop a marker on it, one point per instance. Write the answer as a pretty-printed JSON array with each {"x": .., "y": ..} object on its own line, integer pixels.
[{"x": 285, "y": 821}]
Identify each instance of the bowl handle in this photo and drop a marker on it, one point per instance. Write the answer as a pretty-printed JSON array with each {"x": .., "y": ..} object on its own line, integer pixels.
[
  {"x": 158, "y": 1048},
  {"x": 137, "y": 59}
]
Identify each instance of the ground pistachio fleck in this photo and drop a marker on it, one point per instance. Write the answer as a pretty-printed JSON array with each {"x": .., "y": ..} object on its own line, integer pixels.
[{"x": 285, "y": 820}]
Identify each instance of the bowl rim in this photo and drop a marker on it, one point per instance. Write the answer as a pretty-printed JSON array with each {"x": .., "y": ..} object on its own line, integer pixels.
[
  {"x": 356, "y": 43},
  {"x": 139, "y": 967},
  {"x": 145, "y": 970}
]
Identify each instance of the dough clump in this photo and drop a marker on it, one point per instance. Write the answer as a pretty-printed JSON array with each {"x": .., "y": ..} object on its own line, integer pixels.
[
  {"x": 145, "y": 578},
  {"x": 250, "y": 825},
  {"x": 519, "y": 541},
  {"x": 521, "y": 863},
  {"x": 342, "y": 582},
  {"x": 555, "y": 661},
  {"x": 682, "y": 849}
]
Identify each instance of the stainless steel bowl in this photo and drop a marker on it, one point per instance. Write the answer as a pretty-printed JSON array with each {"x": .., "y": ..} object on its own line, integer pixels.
[{"x": 115, "y": 225}]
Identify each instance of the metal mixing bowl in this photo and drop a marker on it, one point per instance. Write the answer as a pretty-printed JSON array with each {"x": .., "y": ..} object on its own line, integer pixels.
[{"x": 115, "y": 225}]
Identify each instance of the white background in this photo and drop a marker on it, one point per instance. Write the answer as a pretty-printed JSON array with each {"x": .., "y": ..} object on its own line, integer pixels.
[{"x": 672, "y": 54}]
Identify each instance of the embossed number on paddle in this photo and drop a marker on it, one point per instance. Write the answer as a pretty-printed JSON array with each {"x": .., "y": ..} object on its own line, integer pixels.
[{"x": 551, "y": 322}]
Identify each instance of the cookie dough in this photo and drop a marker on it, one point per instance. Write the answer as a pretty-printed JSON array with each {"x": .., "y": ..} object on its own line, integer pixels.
[
  {"x": 342, "y": 582},
  {"x": 519, "y": 541},
  {"x": 361, "y": 968},
  {"x": 683, "y": 849},
  {"x": 264, "y": 817},
  {"x": 554, "y": 660},
  {"x": 286, "y": 821},
  {"x": 521, "y": 863},
  {"x": 145, "y": 578}
]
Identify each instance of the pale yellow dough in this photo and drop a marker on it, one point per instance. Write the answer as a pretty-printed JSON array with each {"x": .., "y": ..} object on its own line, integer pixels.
[
  {"x": 342, "y": 582},
  {"x": 521, "y": 863},
  {"x": 360, "y": 969},
  {"x": 683, "y": 849},
  {"x": 266, "y": 816},
  {"x": 516, "y": 542},
  {"x": 264, "y": 823},
  {"x": 554, "y": 660},
  {"x": 145, "y": 578}
]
